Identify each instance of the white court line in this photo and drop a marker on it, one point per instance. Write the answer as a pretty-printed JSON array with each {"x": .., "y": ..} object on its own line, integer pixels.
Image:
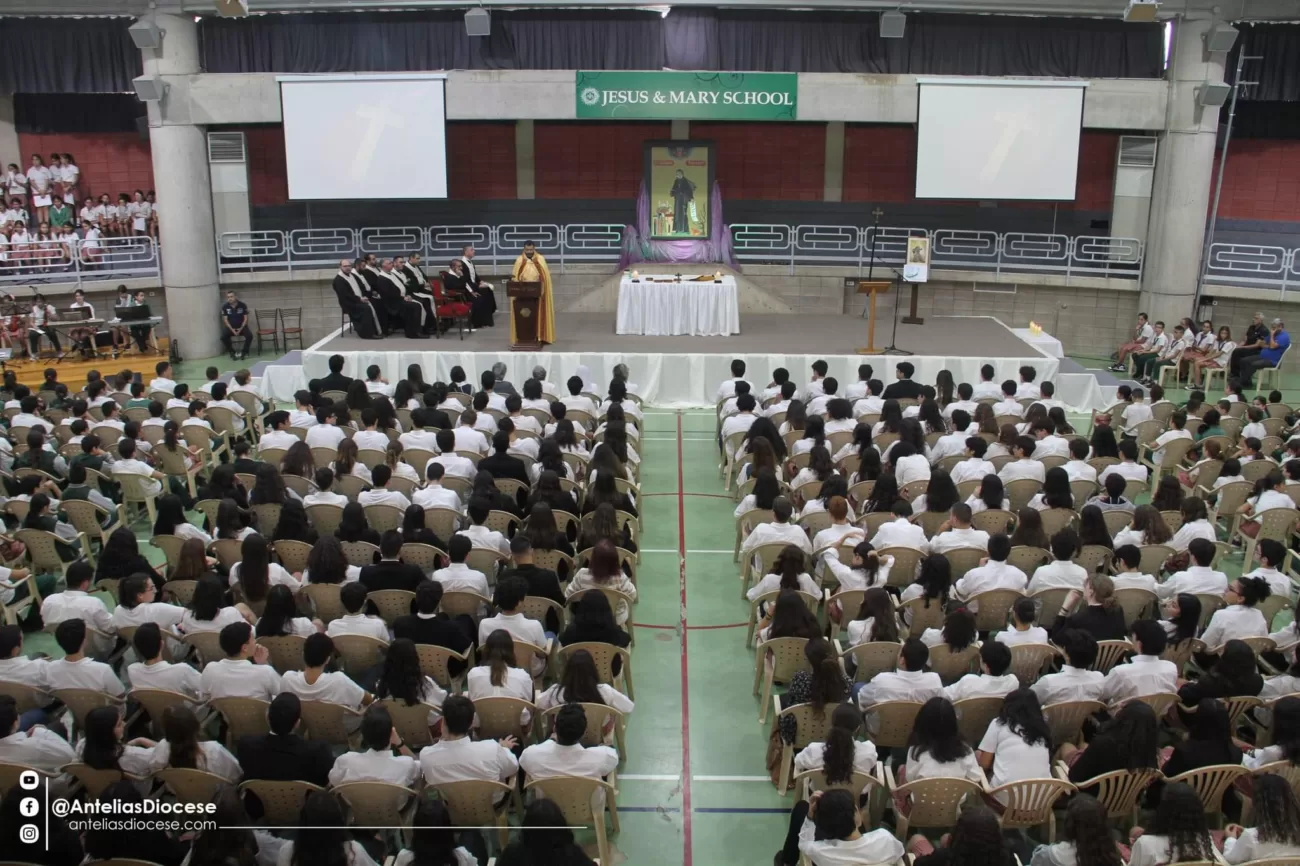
[
  {"x": 674, "y": 439},
  {"x": 674, "y": 550},
  {"x": 666, "y": 777}
]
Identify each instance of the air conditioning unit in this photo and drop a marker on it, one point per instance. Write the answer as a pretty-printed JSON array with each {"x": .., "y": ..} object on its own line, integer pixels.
[
  {"x": 232, "y": 8},
  {"x": 1135, "y": 170},
  {"x": 1141, "y": 10},
  {"x": 232, "y": 209}
]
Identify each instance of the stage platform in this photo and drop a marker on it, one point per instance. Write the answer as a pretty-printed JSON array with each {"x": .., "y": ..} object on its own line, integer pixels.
[{"x": 680, "y": 372}]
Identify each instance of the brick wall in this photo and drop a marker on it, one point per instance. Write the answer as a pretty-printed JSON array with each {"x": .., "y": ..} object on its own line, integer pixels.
[
  {"x": 110, "y": 162},
  {"x": 775, "y": 161},
  {"x": 591, "y": 160},
  {"x": 1262, "y": 180}
]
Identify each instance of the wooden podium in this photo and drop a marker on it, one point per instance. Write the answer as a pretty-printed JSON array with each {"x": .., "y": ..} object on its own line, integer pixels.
[
  {"x": 525, "y": 308},
  {"x": 872, "y": 288}
]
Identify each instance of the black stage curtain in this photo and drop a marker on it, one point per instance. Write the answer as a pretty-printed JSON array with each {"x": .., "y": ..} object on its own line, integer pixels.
[
  {"x": 49, "y": 113},
  {"x": 1278, "y": 72},
  {"x": 749, "y": 40},
  {"x": 67, "y": 55},
  {"x": 1265, "y": 120},
  {"x": 387, "y": 42}
]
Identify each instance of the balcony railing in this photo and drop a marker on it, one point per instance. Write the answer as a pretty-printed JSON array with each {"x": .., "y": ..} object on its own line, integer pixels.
[
  {"x": 76, "y": 261},
  {"x": 1257, "y": 266},
  {"x": 849, "y": 246}
]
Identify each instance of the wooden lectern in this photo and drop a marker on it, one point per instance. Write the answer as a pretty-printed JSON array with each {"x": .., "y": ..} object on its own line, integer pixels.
[
  {"x": 872, "y": 288},
  {"x": 525, "y": 308}
]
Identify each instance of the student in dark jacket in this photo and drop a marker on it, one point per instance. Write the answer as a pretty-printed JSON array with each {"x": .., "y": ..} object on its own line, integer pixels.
[
  {"x": 1236, "y": 674},
  {"x": 426, "y": 625},
  {"x": 1209, "y": 742},
  {"x": 282, "y": 755},
  {"x": 593, "y": 622},
  {"x": 390, "y": 572},
  {"x": 542, "y": 582},
  {"x": 353, "y": 526},
  {"x": 335, "y": 381},
  {"x": 501, "y": 464},
  {"x": 429, "y": 415},
  {"x": 540, "y": 844},
  {"x": 1130, "y": 741},
  {"x": 415, "y": 532},
  {"x": 1100, "y": 615},
  {"x": 121, "y": 558}
]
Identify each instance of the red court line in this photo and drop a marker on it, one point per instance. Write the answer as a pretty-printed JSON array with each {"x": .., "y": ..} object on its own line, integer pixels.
[
  {"x": 689, "y": 627},
  {"x": 686, "y": 691}
]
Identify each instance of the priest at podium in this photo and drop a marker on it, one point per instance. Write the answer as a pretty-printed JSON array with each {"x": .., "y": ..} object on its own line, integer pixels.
[{"x": 531, "y": 267}]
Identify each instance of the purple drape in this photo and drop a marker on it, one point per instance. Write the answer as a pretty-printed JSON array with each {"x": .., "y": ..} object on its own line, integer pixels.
[{"x": 638, "y": 246}]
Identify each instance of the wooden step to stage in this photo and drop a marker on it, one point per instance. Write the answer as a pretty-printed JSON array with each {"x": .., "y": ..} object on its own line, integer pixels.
[{"x": 72, "y": 370}]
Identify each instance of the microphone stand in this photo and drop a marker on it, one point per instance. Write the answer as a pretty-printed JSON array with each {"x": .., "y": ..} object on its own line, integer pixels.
[{"x": 892, "y": 348}]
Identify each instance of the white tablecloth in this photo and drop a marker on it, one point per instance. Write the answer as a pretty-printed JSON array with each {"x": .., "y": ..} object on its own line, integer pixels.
[
  {"x": 1042, "y": 341},
  {"x": 706, "y": 309}
]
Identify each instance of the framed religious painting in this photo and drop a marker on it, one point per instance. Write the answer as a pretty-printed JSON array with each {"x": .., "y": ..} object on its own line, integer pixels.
[{"x": 679, "y": 180}]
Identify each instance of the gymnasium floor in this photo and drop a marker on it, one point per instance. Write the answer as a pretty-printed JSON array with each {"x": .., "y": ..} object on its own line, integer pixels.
[{"x": 696, "y": 718}]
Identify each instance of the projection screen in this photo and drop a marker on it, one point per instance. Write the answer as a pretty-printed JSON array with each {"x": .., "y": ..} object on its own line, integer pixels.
[
  {"x": 371, "y": 137},
  {"x": 993, "y": 139}
]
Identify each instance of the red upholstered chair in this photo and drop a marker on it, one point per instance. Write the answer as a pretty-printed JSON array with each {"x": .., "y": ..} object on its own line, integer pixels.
[{"x": 447, "y": 307}]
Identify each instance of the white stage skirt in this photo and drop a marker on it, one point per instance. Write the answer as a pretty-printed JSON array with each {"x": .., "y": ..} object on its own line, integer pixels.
[
  {"x": 675, "y": 381},
  {"x": 706, "y": 309}
]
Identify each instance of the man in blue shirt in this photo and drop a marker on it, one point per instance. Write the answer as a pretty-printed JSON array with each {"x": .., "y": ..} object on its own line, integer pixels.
[
  {"x": 234, "y": 323},
  {"x": 1270, "y": 355}
]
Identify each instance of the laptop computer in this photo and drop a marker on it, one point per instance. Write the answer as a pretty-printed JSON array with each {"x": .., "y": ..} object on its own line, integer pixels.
[{"x": 132, "y": 313}]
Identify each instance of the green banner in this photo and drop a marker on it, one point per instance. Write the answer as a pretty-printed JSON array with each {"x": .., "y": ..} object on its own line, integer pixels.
[{"x": 688, "y": 95}]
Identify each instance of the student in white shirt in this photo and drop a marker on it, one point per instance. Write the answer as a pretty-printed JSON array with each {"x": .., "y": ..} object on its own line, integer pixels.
[
  {"x": 901, "y": 531},
  {"x": 1276, "y": 833},
  {"x": 1146, "y": 673},
  {"x": 456, "y": 757},
  {"x": 377, "y": 763},
  {"x": 974, "y": 467},
  {"x": 1023, "y": 630},
  {"x": 1177, "y": 430},
  {"x": 510, "y": 594},
  {"x": 1074, "y": 682},
  {"x": 1271, "y": 555},
  {"x": 1022, "y": 464},
  {"x": 1127, "y": 576},
  {"x": 1271, "y": 496},
  {"x": 37, "y": 747},
  {"x": 1198, "y": 578},
  {"x": 15, "y": 666},
  {"x": 993, "y": 574},
  {"x": 129, "y": 465},
  {"x": 728, "y": 388},
  {"x": 580, "y": 684},
  {"x": 353, "y": 597},
  {"x": 208, "y": 610},
  {"x": 326, "y": 433},
  {"x": 457, "y": 576},
  {"x": 154, "y": 673},
  {"x": 76, "y": 670},
  {"x": 1077, "y": 466},
  {"x": 181, "y": 747},
  {"x": 1017, "y": 743},
  {"x": 1178, "y": 832},
  {"x": 314, "y": 683},
  {"x": 938, "y": 750},
  {"x": 956, "y": 532},
  {"x": 279, "y": 617},
  {"x": 826, "y": 829},
  {"x": 1008, "y": 405},
  {"x": 323, "y": 495},
  {"x": 564, "y": 754},
  {"x": 244, "y": 672},
  {"x": 866, "y": 569},
  {"x": 136, "y": 606},
  {"x": 498, "y": 675},
  {"x": 994, "y": 679},
  {"x": 1062, "y": 572},
  {"x": 1240, "y": 619},
  {"x": 1136, "y": 412},
  {"x": 910, "y": 682},
  {"x": 780, "y": 530},
  {"x": 841, "y": 755},
  {"x": 603, "y": 570},
  {"x": 76, "y": 602},
  {"x": 379, "y": 494}
]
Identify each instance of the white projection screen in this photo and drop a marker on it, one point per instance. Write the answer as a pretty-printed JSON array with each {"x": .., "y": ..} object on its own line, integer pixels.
[
  {"x": 991, "y": 139},
  {"x": 365, "y": 136}
]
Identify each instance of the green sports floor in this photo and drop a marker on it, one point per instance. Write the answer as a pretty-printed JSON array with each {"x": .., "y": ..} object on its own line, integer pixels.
[{"x": 693, "y": 787}]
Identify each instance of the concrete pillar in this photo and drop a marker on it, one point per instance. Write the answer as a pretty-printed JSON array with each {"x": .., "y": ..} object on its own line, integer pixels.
[
  {"x": 525, "y": 172},
  {"x": 9, "y": 132},
  {"x": 681, "y": 130},
  {"x": 180, "y": 169},
  {"x": 834, "y": 187},
  {"x": 1180, "y": 198}
]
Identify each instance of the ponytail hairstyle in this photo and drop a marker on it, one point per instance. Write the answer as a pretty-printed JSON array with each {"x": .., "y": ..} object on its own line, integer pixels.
[
  {"x": 346, "y": 457},
  {"x": 878, "y": 606},
  {"x": 870, "y": 561},
  {"x": 1103, "y": 591},
  {"x": 837, "y": 757},
  {"x": 789, "y": 564},
  {"x": 499, "y": 654},
  {"x": 393, "y": 454},
  {"x": 828, "y": 685},
  {"x": 171, "y": 436}
]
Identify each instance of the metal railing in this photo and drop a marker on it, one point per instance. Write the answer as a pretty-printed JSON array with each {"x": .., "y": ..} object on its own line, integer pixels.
[
  {"x": 851, "y": 246},
  {"x": 77, "y": 261},
  {"x": 1252, "y": 265}
]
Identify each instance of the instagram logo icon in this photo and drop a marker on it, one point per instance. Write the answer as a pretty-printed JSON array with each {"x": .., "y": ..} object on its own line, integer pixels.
[{"x": 29, "y": 834}]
